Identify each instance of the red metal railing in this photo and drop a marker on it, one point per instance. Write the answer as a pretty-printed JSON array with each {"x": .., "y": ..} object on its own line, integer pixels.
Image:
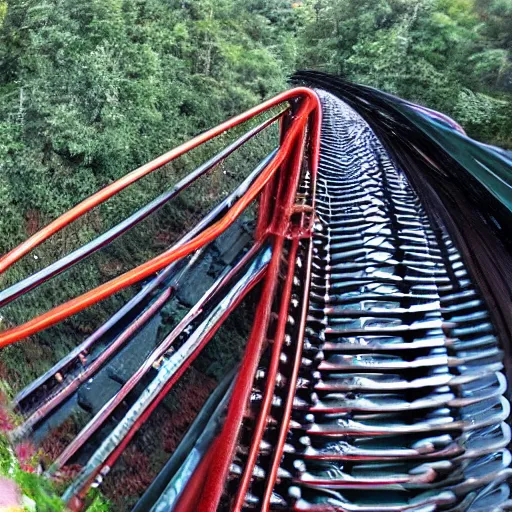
[
  {"x": 308, "y": 107},
  {"x": 281, "y": 218},
  {"x": 225, "y": 445}
]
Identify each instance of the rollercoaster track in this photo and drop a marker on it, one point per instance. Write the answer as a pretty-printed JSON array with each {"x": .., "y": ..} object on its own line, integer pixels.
[
  {"x": 399, "y": 391},
  {"x": 373, "y": 379}
]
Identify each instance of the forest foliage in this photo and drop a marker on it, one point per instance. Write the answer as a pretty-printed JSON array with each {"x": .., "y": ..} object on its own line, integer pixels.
[{"x": 90, "y": 90}]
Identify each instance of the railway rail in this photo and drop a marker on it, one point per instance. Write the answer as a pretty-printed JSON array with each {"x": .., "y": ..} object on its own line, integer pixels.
[{"x": 374, "y": 378}]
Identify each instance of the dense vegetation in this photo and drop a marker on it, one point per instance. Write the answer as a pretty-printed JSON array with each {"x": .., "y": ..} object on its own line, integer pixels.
[{"x": 89, "y": 90}]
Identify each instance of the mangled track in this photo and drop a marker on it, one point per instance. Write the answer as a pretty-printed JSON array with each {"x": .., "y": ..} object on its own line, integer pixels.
[{"x": 398, "y": 404}]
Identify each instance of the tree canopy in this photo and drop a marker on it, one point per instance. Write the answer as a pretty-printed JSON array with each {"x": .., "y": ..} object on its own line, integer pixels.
[
  {"x": 89, "y": 90},
  {"x": 451, "y": 55}
]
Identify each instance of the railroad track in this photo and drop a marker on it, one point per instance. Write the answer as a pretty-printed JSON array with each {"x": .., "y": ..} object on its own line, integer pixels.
[
  {"x": 399, "y": 403},
  {"x": 378, "y": 382}
]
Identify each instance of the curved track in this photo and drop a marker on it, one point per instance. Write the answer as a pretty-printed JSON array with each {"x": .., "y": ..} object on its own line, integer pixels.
[
  {"x": 373, "y": 378},
  {"x": 399, "y": 401}
]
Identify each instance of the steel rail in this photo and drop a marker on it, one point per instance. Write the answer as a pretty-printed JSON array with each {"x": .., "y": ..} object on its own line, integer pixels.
[
  {"x": 57, "y": 399},
  {"x": 189, "y": 497},
  {"x": 277, "y": 344},
  {"x": 35, "y": 280},
  {"x": 226, "y": 444},
  {"x": 287, "y": 413},
  {"x": 45, "y": 408},
  {"x": 285, "y": 419},
  {"x": 69, "y": 308},
  {"x": 75, "y": 494}
]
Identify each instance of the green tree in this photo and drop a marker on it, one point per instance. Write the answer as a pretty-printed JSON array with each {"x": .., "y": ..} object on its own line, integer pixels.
[{"x": 428, "y": 51}]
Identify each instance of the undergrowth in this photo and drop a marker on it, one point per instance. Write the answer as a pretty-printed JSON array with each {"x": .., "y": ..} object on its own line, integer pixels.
[{"x": 21, "y": 464}]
